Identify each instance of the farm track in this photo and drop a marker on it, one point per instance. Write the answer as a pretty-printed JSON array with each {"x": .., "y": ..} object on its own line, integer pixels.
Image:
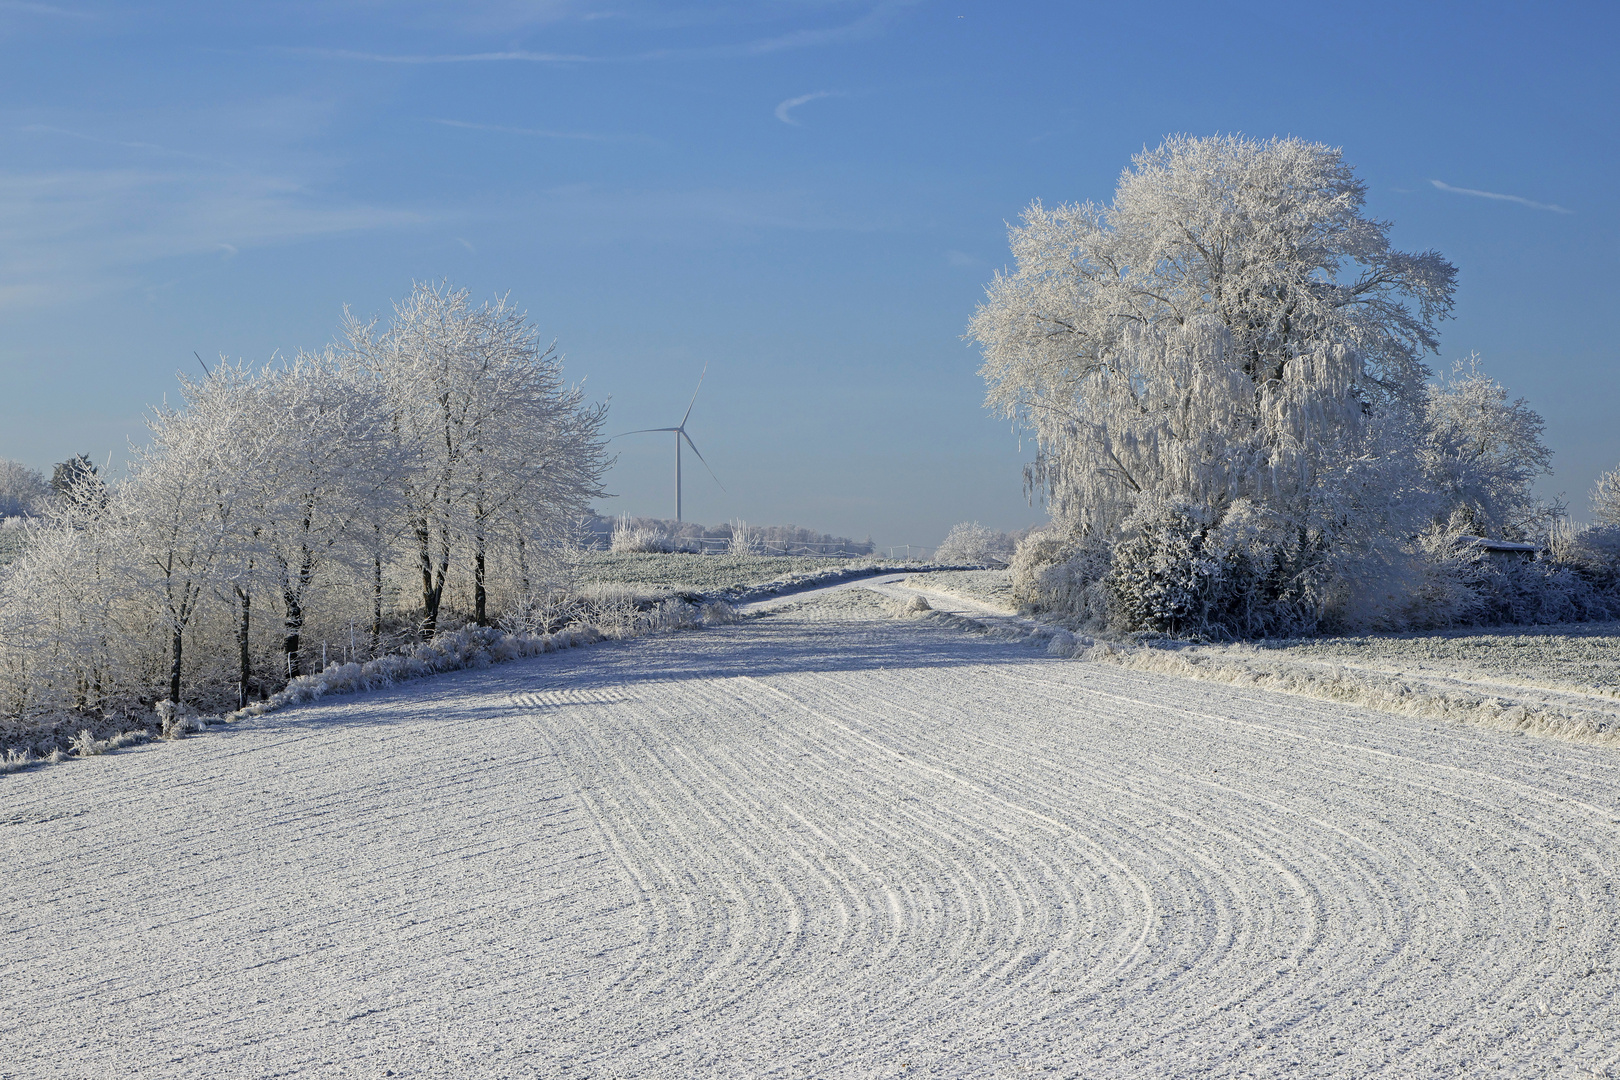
[{"x": 811, "y": 847}]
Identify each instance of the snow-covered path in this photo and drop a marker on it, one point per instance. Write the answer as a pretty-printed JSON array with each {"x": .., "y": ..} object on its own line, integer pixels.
[{"x": 815, "y": 845}]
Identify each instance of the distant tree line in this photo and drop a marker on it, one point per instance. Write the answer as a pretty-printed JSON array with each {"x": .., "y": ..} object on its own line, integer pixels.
[{"x": 667, "y": 535}]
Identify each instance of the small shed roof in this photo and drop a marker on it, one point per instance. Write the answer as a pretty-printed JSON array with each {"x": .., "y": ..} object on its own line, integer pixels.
[{"x": 1498, "y": 545}]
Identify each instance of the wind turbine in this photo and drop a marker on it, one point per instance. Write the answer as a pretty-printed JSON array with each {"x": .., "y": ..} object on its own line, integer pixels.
[{"x": 680, "y": 433}]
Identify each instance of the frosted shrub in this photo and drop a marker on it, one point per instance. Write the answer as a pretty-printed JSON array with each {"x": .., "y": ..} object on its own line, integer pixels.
[
  {"x": 638, "y": 540},
  {"x": 970, "y": 542},
  {"x": 1468, "y": 584},
  {"x": 1517, "y": 590},
  {"x": 1174, "y": 571},
  {"x": 1595, "y": 553},
  {"x": 1165, "y": 575},
  {"x": 744, "y": 541},
  {"x": 716, "y": 613},
  {"x": 1058, "y": 573}
]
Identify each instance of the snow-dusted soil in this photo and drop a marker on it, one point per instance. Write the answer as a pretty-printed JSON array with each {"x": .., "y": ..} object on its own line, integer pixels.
[{"x": 819, "y": 843}]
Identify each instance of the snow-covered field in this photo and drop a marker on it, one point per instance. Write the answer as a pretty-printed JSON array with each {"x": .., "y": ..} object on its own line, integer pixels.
[
  {"x": 1562, "y": 679},
  {"x": 1575, "y": 657},
  {"x": 993, "y": 587},
  {"x": 657, "y": 575},
  {"x": 819, "y": 843}
]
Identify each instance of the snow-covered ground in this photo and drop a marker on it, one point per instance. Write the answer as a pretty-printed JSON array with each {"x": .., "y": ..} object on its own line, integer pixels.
[{"x": 819, "y": 843}]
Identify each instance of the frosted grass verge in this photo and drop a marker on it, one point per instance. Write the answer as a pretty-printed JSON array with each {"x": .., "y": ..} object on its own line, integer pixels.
[
  {"x": 476, "y": 647},
  {"x": 472, "y": 647},
  {"x": 1385, "y": 693}
]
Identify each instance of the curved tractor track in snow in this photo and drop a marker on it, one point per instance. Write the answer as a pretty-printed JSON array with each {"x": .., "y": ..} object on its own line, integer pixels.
[{"x": 817, "y": 844}]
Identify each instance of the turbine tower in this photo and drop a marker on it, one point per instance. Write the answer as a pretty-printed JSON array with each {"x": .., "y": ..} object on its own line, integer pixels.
[{"x": 680, "y": 433}]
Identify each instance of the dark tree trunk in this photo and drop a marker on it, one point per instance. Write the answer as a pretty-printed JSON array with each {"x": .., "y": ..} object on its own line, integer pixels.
[
  {"x": 294, "y": 627},
  {"x": 177, "y": 642},
  {"x": 430, "y": 595},
  {"x": 480, "y": 597},
  {"x": 244, "y": 657},
  {"x": 523, "y": 567},
  {"x": 292, "y": 592},
  {"x": 376, "y": 604}
]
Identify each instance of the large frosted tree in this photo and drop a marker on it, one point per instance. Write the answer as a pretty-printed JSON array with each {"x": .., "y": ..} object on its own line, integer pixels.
[{"x": 1231, "y": 327}]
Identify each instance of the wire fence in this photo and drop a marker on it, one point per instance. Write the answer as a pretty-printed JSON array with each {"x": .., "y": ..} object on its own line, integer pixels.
[{"x": 720, "y": 545}]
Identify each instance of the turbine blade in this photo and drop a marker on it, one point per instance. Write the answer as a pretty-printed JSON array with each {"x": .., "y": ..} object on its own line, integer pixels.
[
  {"x": 695, "y": 450},
  {"x": 640, "y": 431},
  {"x": 694, "y": 402}
]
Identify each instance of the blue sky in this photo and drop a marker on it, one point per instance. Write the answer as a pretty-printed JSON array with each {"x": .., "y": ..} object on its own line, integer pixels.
[{"x": 808, "y": 196}]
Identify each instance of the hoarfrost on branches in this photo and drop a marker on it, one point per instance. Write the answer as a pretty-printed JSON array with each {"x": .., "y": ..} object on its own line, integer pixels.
[{"x": 1224, "y": 373}]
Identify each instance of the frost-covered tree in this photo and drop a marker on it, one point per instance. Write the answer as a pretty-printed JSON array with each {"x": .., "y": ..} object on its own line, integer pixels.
[
  {"x": 229, "y": 409},
  {"x": 334, "y": 460},
  {"x": 1606, "y": 498},
  {"x": 970, "y": 542},
  {"x": 497, "y": 446},
  {"x": 1230, "y": 332},
  {"x": 67, "y": 636},
  {"x": 1243, "y": 268},
  {"x": 1482, "y": 454},
  {"x": 23, "y": 491},
  {"x": 78, "y": 478},
  {"x": 189, "y": 504}
]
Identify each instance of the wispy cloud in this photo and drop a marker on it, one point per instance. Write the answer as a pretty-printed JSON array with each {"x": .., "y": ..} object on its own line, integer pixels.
[
  {"x": 518, "y": 55},
  {"x": 72, "y": 233},
  {"x": 869, "y": 25},
  {"x": 784, "y": 110},
  {"x": 1520, "y": 199},
  {"x": 541, "y": 133},
  {"x": 583, "y": 213},
  {"x": 125, "y": 144},
  {"x": 28, "y": 8}
]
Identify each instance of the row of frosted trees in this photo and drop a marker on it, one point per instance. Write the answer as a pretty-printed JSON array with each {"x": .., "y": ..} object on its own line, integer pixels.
[{"x": 356, "y": 497}]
